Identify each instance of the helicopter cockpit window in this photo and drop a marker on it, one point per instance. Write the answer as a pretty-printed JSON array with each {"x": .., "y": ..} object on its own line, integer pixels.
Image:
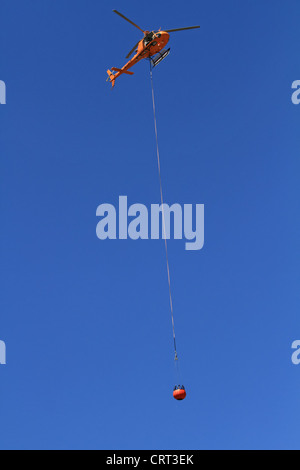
[{"x": 148, "y": 38}]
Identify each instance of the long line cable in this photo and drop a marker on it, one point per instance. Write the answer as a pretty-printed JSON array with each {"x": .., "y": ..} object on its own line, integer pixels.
[{"x": 163, "y": 213}]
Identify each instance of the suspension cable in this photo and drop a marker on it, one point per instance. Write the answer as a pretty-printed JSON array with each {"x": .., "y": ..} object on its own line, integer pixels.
[{"x": 163, "y": 213}]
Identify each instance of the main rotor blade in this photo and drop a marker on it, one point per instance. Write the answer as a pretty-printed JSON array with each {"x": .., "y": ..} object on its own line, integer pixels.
[
  {"x": 181, "y": 29},
  {"x": 129, "y": 21},
  {"x": 132, "y": 50}
]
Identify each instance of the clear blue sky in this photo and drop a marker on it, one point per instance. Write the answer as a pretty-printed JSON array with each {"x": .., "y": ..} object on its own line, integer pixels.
[{"x": 87, "y": 323}]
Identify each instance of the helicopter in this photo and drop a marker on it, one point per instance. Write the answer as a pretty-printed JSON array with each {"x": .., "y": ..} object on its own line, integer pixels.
[{"x": 152, "y": 44}]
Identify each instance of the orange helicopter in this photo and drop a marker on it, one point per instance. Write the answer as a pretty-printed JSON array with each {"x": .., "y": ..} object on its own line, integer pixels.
[{"x": 152, "y": 44}]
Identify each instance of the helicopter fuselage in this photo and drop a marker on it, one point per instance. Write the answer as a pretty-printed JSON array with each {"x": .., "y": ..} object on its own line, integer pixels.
[{"x": 152, "y": 43}]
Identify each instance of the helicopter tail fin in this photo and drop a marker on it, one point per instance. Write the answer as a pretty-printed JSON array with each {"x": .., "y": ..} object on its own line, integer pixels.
[{"x": 111, "y": 78}]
